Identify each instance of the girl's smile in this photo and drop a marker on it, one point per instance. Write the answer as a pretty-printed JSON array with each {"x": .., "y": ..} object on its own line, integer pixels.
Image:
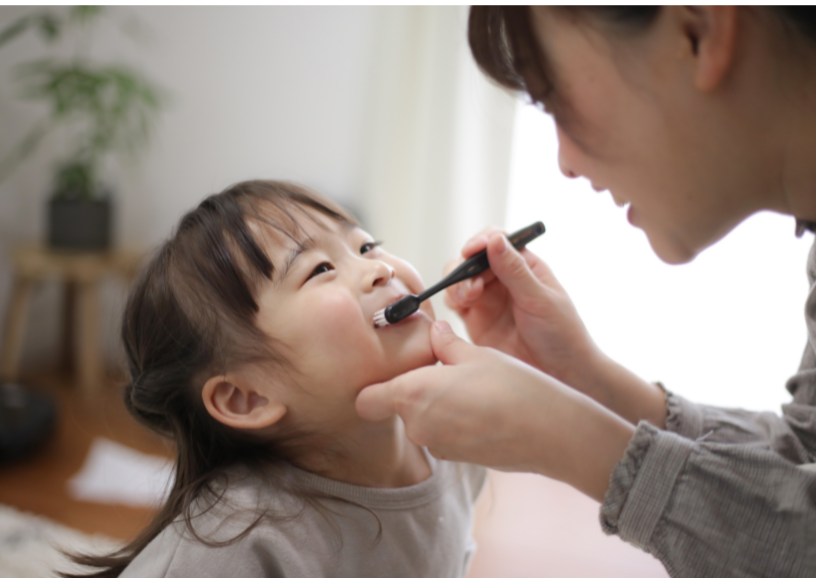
[{"x": 320, "y": 305}]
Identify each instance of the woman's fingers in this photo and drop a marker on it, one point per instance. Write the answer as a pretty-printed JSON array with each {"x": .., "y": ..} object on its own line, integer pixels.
[
  {"x": 481, "y": 406},
  {"x": 479, "y": 241},
  {"x": 512, "y": 269},
  {"x": 409, "y": 395},
  {"x": 463, "y": 294}
]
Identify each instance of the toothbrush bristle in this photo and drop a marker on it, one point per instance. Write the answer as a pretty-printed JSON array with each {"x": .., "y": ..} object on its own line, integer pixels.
[{"x": 379, "y": 319}]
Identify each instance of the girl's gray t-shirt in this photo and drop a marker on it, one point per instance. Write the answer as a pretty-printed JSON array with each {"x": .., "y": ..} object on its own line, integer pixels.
[{"x": 420, "y": 530}]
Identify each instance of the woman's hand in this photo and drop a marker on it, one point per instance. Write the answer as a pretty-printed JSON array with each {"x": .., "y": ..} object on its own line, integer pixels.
[
  {"x": 484, "y": 407},
  {"x": 519, "y": 308}
]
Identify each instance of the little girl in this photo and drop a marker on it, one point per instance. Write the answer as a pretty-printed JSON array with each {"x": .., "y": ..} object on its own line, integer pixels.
[{"x": 248, "y": 337}]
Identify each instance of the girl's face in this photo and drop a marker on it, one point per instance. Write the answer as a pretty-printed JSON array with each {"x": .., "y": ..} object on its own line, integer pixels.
[
  {"x": 319, "y": 310},
  {"x": 633, "y": 119}
]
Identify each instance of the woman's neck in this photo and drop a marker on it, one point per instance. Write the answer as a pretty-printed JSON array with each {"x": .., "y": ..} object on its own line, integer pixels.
[
  {"x": 372, "y": 454},
  {"x": 790, "y": 123}
]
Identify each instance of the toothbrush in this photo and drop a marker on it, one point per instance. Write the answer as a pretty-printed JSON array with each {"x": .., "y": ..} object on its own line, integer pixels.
[{"x": 477, "y": 263}]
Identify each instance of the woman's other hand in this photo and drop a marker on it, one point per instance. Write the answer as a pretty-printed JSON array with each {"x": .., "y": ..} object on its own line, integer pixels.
[{"x": 484, "y": 407}]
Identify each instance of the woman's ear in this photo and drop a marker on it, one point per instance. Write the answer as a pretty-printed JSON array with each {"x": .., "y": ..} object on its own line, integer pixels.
[
  {"x": 234, "y": 401},
  {"x": 711, "y": 32}
]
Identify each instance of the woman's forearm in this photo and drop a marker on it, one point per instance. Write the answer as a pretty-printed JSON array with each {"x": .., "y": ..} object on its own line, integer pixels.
[
  {"x": 623, "y": 392},
  {"x": 583, "y": 449}
]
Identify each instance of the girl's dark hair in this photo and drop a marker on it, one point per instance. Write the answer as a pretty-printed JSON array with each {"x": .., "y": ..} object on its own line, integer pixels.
[
  {"x": 189, "y": 316},
  {"x": 505, "y": 48}
]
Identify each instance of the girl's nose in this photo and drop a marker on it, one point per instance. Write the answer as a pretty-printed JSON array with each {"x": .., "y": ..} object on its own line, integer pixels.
[{"x": 380, "y": 274}]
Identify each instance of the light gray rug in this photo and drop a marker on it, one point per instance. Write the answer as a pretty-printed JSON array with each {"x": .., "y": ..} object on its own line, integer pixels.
[{"x": 30, "y": 545}]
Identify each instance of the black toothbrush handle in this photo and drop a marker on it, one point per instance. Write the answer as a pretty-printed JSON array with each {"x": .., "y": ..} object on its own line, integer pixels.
[{"x": 478, "y": 262}]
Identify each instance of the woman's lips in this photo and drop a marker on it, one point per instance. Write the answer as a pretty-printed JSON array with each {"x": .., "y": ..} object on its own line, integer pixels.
[{"x": 630, "y": 216}]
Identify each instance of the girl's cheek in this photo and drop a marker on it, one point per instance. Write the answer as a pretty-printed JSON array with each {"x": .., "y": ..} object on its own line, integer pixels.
[
  {"x": 334, "y": 313},
  {"x": 409, "y": 276}
]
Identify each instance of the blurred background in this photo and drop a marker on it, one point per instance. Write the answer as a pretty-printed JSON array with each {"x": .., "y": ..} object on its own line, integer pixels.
[{"x": 382, "y": 109}]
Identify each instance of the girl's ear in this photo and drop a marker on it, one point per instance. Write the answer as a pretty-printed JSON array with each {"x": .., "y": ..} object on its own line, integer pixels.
[
  {"x": 711, "y": 32},
  {"x": 235, "y": 402}
]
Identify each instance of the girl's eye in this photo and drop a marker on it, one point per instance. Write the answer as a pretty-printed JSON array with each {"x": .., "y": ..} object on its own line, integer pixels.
[
  {"x": 322, "y": 268},
  {"x": 369, "y": 246}
]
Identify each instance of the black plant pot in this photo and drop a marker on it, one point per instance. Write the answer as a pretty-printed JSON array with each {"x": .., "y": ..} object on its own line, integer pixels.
[
  {"x": 79, "y": 224},
  {"x": 27, "y": 419}
]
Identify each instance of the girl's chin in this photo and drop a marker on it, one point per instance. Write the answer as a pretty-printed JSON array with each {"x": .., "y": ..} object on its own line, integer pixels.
[{"x": 408, "y": 359}]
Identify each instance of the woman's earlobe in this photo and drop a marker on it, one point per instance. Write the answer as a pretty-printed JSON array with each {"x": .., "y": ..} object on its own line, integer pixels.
[{"x": 234, "y": 402}]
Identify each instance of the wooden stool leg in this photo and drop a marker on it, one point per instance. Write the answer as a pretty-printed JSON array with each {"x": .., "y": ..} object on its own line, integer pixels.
[
  {"x": 68, "y": 327},
  {"x": 14, "y": 330},
  {"x": 89, "y": 363}
]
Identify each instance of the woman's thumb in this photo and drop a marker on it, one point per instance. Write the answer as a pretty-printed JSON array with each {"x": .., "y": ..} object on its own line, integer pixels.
[
  {"x": 512, "y": 270},
  {"x": 447, "y": 346}
]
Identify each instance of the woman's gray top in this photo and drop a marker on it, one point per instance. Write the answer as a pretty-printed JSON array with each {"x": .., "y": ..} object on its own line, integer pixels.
[{"x": 725, "y": 492}]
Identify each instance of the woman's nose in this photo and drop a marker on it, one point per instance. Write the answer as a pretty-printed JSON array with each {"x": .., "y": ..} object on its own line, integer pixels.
[
  {"x": 564, "y": 154},
  {"x": 380, "y": 274}
]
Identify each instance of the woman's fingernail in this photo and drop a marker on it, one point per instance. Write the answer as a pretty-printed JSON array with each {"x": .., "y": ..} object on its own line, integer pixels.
[
  {"x": 442, "y": 326},
  {"x": 460, "y": 293},
  {"x": 505, "y": 244}
]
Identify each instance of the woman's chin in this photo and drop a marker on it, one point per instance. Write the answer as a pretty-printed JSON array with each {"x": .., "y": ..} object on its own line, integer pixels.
[{"x": 669, "y": 250}]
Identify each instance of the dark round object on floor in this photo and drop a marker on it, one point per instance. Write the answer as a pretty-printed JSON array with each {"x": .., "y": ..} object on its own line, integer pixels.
[{"x": 27, "y": 418}]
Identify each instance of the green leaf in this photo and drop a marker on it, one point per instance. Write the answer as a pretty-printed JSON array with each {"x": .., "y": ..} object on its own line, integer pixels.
[
  {"x": 75, "y": 179},
  {"x": 50, "y": 26},
  {"x": 104, "y": 108},
  {"x": 84, "y": 14},
  {"x": 14, "y": 29},
  {"x": 25, "y": 147}
]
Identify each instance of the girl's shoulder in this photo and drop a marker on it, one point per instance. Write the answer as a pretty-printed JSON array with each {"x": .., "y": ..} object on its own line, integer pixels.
[
  {"x": 227, "y": 533},
  {"x": 245, "y": 526}
]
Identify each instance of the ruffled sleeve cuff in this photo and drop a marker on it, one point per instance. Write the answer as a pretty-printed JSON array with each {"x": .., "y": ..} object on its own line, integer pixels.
[
  {"x": 623, "y": 477},
  {"x": 642, "y": 483},
  {"x": 684, "y": 417}
]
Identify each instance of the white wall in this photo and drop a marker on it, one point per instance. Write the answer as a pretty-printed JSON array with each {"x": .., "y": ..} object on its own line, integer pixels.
[{"x": 270, "y": 92}]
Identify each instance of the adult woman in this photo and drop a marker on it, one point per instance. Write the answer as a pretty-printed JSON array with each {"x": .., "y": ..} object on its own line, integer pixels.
[{"x": 697, "y": 117}]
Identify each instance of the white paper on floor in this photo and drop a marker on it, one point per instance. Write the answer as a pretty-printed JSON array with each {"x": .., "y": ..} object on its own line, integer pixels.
[{"x": 116, "y": 474}]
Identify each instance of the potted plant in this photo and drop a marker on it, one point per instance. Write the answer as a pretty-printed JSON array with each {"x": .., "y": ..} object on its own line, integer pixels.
[{"x": 105, "y": 108}]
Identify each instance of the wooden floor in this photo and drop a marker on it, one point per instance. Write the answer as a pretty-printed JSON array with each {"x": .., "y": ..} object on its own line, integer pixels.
[{"x": 37, "y": 483}]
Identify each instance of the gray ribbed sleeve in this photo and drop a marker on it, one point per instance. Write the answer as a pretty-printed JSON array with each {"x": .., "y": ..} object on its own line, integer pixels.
[{"x": 725, "y": 492}]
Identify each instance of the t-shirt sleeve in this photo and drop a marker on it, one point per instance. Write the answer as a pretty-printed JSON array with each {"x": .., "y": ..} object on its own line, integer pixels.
[
  {"x": 477, "y": 478},
  {"x": 173, "y": 555}
]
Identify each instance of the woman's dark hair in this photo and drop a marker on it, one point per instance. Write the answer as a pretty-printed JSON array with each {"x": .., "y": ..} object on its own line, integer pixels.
[
  {"x": 505, "y": 48},
  {"x": 190, "y": 315}
]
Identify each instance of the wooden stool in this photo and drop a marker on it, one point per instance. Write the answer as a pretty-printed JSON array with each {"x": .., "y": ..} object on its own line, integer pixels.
[{"x": 81, "y": 273}]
